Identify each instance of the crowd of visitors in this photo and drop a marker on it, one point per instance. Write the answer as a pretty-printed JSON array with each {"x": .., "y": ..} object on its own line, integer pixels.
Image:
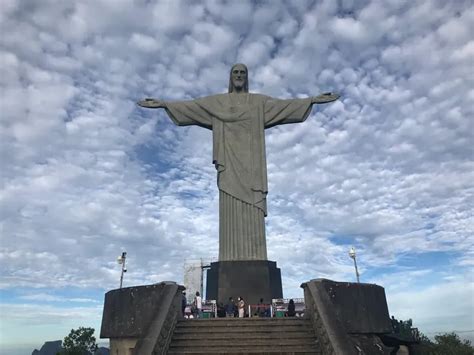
[{"x": 234, "y": 309}]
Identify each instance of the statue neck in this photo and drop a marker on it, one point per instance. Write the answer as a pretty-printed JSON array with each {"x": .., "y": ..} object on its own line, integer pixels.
[{"x": 240, "y": 90}]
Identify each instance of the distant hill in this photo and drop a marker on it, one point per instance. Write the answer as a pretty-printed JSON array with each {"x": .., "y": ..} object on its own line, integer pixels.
[
  {"x": 49, "y": 348},
  {"x": 53, "y": 347}
]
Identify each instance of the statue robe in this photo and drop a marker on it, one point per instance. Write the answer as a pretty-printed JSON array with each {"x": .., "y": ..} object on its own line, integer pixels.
[{"x": 238, "y": 123}]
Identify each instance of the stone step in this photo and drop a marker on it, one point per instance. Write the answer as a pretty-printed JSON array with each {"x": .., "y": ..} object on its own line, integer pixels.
[
  {"x": 243, "y": 329},
  {"x": 244, "y": 336},
  {"x": 251, "y": 335},
  {"x": 242, "y": 349},
  {"x": 247, "y": 319},
  {"x": 223, "y": 322},
  {"x": 223, "y": 343}
]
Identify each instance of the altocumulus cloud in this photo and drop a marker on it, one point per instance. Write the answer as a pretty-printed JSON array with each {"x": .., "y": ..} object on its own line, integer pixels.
[{"x": 86, "y": 174}]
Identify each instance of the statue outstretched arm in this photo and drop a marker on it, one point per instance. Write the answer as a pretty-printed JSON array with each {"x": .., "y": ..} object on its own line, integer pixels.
[
  {"x": 182, "y": 113},
  {"x": 293, "y": 110},
  {"x": 324, "y": 98},
  {"x": 151, "y": 103}
]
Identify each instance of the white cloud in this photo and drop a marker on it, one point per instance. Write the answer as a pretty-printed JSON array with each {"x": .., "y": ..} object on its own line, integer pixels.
[
  {"x": 144, "y": 42},
  {"x": 434, "y": 307},
  {"x": 86, "y": 174},
  {"x": 45, "y": 297},
  {"x": 40, "y": 323}
]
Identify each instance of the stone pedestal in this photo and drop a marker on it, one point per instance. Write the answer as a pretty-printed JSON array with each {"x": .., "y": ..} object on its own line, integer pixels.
[{"x": 250, "y": 279}]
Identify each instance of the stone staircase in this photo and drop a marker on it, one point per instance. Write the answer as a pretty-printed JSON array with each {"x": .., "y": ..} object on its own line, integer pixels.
[{"x": 244, "y": 336}]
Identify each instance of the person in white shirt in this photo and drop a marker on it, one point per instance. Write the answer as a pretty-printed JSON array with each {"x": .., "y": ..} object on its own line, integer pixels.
[
  {"x": 198, "y": 304},
  {"x": 240, "y": 306}
]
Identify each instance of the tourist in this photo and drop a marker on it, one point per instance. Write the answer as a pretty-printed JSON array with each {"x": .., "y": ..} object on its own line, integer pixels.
[
  {"x": 230, "y": 308},
  {"x": 291, "y": 309},
  {"x": 221, "y": 313},
  {"x": 198, "y": 305},
  {"x": 395, "y": 325},
  {"x": 183, "y": 303},
  {"x": 261, "y": 309},
  {"x": 241, "y": 307}
]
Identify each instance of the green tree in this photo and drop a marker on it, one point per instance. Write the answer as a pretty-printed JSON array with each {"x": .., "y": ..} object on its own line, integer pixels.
[
  {"x": 451, "y": 344},
  {"x": 80, "y": 341},
  {"x": 426, "y": 346},
  {"x": 405, "y": 328},
  {"x": 445, "y": 344}
]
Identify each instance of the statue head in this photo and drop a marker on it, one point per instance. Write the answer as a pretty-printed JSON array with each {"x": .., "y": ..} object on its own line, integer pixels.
[{"x": 238, "y": 80}]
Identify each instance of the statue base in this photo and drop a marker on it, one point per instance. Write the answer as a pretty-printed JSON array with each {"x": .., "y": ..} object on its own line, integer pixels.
[{"x": 249, "y": 279}]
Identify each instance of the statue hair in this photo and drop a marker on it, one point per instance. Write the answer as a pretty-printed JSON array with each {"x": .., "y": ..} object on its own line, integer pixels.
[{"x": 246, "y": 86}]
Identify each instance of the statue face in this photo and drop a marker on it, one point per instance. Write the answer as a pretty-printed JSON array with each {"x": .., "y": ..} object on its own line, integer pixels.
[{"x": 239, "y": 77}]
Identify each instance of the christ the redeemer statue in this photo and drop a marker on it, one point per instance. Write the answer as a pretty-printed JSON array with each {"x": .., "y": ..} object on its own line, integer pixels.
[{"x": 238, "y": 121}]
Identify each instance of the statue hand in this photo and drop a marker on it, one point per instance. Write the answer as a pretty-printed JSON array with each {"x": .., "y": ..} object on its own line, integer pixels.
[
  {"x": 325, "y": 98},
  {"x": 150, "y": 103}
]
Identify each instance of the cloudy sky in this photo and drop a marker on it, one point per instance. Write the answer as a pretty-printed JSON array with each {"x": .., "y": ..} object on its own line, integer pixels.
[{"x": 87, "y": 174}]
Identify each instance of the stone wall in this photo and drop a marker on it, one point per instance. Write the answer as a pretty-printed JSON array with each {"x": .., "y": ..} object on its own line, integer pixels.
[
  {"x": 141, "y": 319},
  {"x": 348, "y": 317}
]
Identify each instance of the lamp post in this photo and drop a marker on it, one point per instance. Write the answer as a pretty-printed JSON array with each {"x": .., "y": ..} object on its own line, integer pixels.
[
  {"x": 121, "y": 261},
  {"x": 352, "y": 254}
]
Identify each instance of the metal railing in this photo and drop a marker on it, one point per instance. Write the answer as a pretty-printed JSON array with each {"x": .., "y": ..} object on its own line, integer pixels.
[
  {"x": 278, "y": 308},
  {"x": 261, "y": 310},
  {"x": 208, "y": 306}
]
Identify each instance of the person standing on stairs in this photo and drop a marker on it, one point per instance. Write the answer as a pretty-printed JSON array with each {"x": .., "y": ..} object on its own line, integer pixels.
[
  {"x": 230, "y": 308},
  {"x": 198, "y": 304},
  {"x": 183, "y": 304},
  {"x": 241, "y": 307},
  {"x": 291, "y": 309}
]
